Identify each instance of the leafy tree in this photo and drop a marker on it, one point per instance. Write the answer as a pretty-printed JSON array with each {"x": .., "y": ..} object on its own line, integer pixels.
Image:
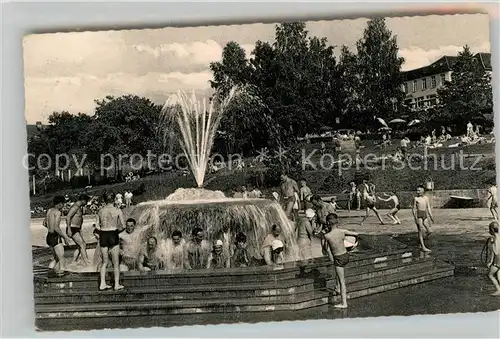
[
  {"x": 348, "y": 94},
  {"x": 379, "y": 69},
  {"x": 123, "y": 126},
  {"x": 468, "y": 94}
]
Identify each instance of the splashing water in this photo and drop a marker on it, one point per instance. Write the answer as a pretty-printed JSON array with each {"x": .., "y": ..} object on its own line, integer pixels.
[{"x": 196, "y": 122}]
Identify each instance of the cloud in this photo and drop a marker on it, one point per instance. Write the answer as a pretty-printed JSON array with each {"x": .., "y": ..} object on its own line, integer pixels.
[
  {"x": 45, "y": 95},
  {"x": 416, "y": 57}
]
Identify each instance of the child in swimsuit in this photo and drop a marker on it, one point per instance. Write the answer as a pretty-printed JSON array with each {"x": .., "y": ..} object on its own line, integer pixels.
[
  {"x": 421, "y": 210},
  {"x": 494, "y": 262},
  {"x": 392, "y": 213}
]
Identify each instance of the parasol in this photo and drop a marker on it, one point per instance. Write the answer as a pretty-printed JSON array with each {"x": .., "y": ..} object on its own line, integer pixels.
[
  {"x": 382, "y": 121},
  {"x": 397, "y": 121},
  {"x": 413, "y": 122}
]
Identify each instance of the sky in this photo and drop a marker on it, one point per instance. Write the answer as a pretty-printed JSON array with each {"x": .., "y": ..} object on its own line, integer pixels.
[{"x": 68, "y": 71}]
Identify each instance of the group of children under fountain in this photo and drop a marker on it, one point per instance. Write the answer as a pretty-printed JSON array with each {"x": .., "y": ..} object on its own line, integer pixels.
[{"x": 115, "y": 236}]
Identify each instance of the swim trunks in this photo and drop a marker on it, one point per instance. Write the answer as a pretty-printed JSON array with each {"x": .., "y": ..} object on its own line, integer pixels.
[
  {"x": 341, "y": 260},
  {"x": 108, "y": 239},
  {"x": 370, "y": 205},
  {"x": 75, "y": 230},
  {"x": 422, "y": 215},
  {"x": 53, "y": 239},
  {"x": 398, "y": 207}
]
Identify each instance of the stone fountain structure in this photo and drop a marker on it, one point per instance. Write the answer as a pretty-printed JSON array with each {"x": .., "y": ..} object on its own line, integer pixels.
[{"x": 163, "y": 298}]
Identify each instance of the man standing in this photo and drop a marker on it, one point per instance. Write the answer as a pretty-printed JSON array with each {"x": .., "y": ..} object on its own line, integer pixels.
[
  {"x": 288, "y": 189},
  {"x": 55, "y": 234},
  {"x": 421, "y": 210},
  {"x": 74, "y": 223},
  {"x": 110, "y": 223}
]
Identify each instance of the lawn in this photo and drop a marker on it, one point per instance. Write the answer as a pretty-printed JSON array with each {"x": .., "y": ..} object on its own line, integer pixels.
[{"x": 326, "y": 181}]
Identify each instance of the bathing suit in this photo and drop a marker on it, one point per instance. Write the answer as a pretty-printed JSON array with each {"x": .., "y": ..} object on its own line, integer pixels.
[
  {"x": 75, "y": 230},
  {"x": 53, "y": 239},
  {"x": 370, "y": 204},
  {"x": 422, "y": 215},
  {"x": 108, "y": 239},
  {"x": 398, "y": 207},
  {"x": 341, "y": 260}
]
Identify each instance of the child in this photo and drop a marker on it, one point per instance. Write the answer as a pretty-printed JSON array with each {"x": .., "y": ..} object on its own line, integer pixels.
[
  {"x": 370, "y": 200},
  {"x": 334, "y": 204},
  {"x": 392, "y": 213},
  {"x": 217, "y": 258},
  {"x": 421, "y": 210},
  {"x": 338, "y": 253},
  {"x": 240, "y": 256},
  {"x": 493, "y": 196},
  {"x": 354, "y": 194},
  {"x": 494, "y": 262}
]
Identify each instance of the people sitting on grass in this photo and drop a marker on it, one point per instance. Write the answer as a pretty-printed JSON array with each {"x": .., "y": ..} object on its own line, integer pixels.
[
  {"x": 176, "y": 252},
  {"x": 217, "y": 258},
  {"x": 240, "y": 256},
  {"x": 149, "y": 256}
]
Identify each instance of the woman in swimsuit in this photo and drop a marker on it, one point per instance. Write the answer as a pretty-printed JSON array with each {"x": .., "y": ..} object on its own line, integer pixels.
[{"x": 494, "y": 262}]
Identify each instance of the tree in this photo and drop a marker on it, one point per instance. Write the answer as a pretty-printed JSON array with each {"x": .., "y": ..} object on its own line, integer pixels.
[
  {"x": 468, "y": 94},
  {"x": 379, "y": 69},
  {"x": 348, "y": 97},
  {"x": 124, "y": 126},
  {"x": 232, "y": 70}
]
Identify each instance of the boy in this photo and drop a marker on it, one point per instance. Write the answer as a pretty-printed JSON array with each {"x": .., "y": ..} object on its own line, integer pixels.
[
  {"x": 149, "y": 259},
  {"x": 176, "y": 255},
  {"x": 110, "y": 222},
  {"x": 55, "y": 234},
  {"x": 305, "y": 194},
  {"x": 493, "y": 196},
  {"x": 494, "y": 262},
  {"x": 421, "y": 210},
  {"x": 240, "y": 256},
  {"x": 305, "y": 227},
  {"x": 354, "y": 195},
  {"x": 370, "y": 199},
  {"x": 338, "y": 253},
  {"x": 217, "y": 258},
  {"x": 392, "y": 213}
]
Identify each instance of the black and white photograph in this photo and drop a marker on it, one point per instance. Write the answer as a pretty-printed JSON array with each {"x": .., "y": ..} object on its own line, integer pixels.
[{"x": 246, "y": 173}]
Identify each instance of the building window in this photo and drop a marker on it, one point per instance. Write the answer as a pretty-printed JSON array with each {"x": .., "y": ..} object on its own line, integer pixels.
[
  {"x": 414, "y": 86},
  {"x": 424, "y": 84},
  {"x": 443, "y": 79},
  {"x": 433, "y": 81},
  {"x": 405, "y": 87},
  {"x": 432, "y": 100}
]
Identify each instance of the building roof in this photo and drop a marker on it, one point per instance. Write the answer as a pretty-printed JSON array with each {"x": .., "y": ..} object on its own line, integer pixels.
[{"x": 444, "y": 64}]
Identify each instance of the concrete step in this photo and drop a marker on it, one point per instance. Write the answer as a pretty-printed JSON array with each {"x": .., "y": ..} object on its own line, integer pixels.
[
  {"x": 411, "y": 276},
  {"x": 240, "y": 290},
  {"x": 89, "y": 281},
  {"x": 186, "y": 292},
  {"x": 142, "y": 308}
]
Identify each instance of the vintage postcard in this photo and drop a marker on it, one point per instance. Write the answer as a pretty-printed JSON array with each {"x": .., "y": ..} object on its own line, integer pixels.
[{"x": 262, "y": 172}]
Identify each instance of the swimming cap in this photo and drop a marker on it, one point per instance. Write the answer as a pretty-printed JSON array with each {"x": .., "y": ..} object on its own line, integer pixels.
[
  {"x": 276, "y": 244},
  {"x": 310, "y": 213}
]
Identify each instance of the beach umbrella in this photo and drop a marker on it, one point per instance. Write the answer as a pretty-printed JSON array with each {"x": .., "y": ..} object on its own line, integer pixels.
[
  {"x": 397, "y": 121},
  {"x": 385, "y": 128},
  {"x": 414, "y": 122},
  {"x": 382, "y": 121}
]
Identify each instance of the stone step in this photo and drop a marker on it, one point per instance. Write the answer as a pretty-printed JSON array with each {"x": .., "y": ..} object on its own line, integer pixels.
[
  {"x": 142, "y": 308},
  {"x": 86, "y": 281},
  {"x": 240, "y": 290},
  {"x": 413, "y": 276}
]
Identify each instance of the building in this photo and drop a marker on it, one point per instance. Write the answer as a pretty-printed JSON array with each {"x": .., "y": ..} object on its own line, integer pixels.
[{"x": 421, "y": 84}]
